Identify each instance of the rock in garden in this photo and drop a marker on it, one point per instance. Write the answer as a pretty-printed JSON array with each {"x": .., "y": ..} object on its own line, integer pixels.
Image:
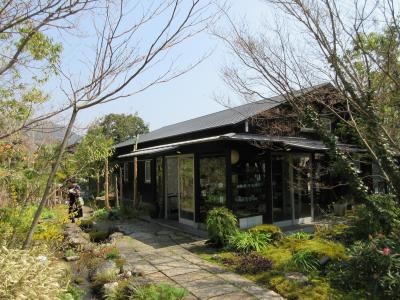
[
  {"x": 115, "y": 236},
  {"x": 109, "y": 287},
  {"x": 296, "y": 277},
  {"x": 71, "y": 258},
  {"x": 106, "y": 267}
]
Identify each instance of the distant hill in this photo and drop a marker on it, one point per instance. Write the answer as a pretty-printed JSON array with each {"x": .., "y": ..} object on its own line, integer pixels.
[{"x": 50, "y": 133}]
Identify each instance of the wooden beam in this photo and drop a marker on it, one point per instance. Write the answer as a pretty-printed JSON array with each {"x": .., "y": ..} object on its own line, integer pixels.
[
  {"x": 312, "y": 185},
  {"x": 291, "y": 187},
  {"x": 135, "y": 173},
  {"x": 197, "y": 190},
  {"x": 116, "y": 192},
  {"x": 268, "y": 217},
  {"x": 228, "y": 176}
]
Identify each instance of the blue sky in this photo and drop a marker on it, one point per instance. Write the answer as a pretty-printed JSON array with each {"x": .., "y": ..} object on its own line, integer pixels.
[{"x": 186, "y": 97}]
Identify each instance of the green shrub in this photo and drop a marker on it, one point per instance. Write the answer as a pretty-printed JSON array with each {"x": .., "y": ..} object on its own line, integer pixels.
[
  {"x": 372, "y": 269},
  {"x": 100, "y": 214},
  {"x": 338, "y": 232},
  {"x": 221, "y": 225},
  {"x": 15, "y": 222},
  {"x": 72, "y": 293},
  {"x": 380, "y": 215},
  {"x": 249, "y": 241},
  {"x": 112, "y": 254},
  {"x": 274, "y": 231},
  {"x": 305, "y": 261},
  {"x": 300, "y": 235},
  {"x": 86, "y": 224},
  {"x": 319, "y": 246},
  {"x": 129, "y": 290},
  {"x": 29, "y": 275},
  {"x": 69, "y": 252}
]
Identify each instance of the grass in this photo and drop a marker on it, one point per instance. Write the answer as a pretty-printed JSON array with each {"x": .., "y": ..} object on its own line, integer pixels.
[{"x": 290, "y": 254}]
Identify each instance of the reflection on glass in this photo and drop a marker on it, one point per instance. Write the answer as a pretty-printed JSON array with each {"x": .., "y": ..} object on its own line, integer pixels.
[
  {"x": 301, "y": 185},
  {"x": 282, "y": 208},
  {"x": 186, "y": 188},
  {"x": 160, "y": 185},
  {"x": 249, "y": 190},
  {"x": 212, "y": 184}
]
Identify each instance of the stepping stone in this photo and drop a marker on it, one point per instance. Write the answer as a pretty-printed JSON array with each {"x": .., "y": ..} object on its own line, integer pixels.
[
  {"x": 209, "y": 292},
  {"x": 183, "y": 278},
  {"x": 234, "y": 296},
  {"x": 178, "y": 271}
]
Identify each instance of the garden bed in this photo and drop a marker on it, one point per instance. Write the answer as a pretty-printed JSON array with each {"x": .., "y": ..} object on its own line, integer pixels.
[{"x": 358, "y": 259}]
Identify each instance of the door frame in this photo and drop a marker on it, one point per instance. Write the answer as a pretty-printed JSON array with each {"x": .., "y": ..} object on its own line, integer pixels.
[
  {"x": 293, "y": 220},
  {"x": 180, "y": 220},
  {"x": 184, "y": 220}
]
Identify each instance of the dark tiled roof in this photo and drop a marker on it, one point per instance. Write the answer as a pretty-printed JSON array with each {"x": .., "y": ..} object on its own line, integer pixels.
[
  {"x": 286, "y": 142},
  {"x": 126, "y": 143},
  {"x": 222, "y": 118}
]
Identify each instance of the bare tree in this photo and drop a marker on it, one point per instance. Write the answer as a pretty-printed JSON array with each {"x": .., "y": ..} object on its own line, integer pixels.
[
  {"x": 28, "y": 56},
  {"x": 125, "y": 56},
  {"x": 329, "y": 41}
]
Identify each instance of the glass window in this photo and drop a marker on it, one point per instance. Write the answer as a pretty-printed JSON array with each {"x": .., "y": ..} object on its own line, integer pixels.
[
  {"x": 212, "y": 184},
  {"x": 147, "y": 171},
  {"x": 126, "y": 172},
  {"x": 248, "y": 187},
  {"x": 160, "y": 184},
  {"x": 186, "y": 188}
]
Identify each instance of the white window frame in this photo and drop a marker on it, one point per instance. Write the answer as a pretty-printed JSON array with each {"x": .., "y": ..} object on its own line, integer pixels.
[{"x": 147, "y": 171}]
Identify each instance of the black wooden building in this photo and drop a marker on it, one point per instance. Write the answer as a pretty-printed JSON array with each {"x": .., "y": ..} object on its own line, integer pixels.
[{"x": 232, "y": 158}]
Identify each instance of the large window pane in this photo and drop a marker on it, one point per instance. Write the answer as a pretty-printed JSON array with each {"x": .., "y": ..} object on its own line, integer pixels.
[
  {"x": 249, "y": 190},
  {"x": 186, "y": 188},
  {"x": 212, "y": 184},
  {"x": 282, "y": 207}
]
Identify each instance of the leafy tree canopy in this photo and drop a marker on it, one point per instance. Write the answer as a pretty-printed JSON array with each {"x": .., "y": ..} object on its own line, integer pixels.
[{"x": 120, "y": 127}]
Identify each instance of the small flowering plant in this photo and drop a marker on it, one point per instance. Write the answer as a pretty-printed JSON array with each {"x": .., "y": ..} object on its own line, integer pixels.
[
  {"x": 386, "y": 251},
  {"x": 373, "y": 266}
]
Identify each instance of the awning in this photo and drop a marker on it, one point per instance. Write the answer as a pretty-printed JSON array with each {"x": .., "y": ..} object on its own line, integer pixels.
[
  {"x": 295, "y": 142},
  {"x": 148, "y": 151},
  {"x": 168, "y": 147}
]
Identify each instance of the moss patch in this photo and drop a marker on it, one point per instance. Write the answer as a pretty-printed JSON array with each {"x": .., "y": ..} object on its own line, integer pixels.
[{"x": 321, "y": 247}]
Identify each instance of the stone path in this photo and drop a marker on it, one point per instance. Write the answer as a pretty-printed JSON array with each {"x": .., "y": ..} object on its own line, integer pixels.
[{"x": 163, "y": 256}]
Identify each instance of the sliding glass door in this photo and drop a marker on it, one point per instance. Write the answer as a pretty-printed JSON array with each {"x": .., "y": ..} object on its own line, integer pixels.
[
  {"x": 186, "y": 189},
  {"x": 291, "y": 188}
]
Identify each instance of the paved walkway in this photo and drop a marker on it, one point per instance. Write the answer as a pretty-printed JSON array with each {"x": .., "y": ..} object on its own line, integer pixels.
[{"x": 162, "y": 255}]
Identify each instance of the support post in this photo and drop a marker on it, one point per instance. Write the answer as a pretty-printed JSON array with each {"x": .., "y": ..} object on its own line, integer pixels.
[
  {"x": 312, "y": 185},
  {"x": 291, "y": 187},
  {"x": 197, "y": 191},
  {"x": 135, "y": 163},
  {"x": 121, "y": 190},
  {"x": 268, "y": 217},
  {"x": 106, "y": 199},
  {"x": 228, "y": 176},
  {"x": 116, "y": 192}
]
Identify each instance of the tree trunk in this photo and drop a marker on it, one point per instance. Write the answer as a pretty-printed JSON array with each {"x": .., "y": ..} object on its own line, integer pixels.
[
  {"x": 106, "y": 199},
  {"x": 50, "y": 181}
]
